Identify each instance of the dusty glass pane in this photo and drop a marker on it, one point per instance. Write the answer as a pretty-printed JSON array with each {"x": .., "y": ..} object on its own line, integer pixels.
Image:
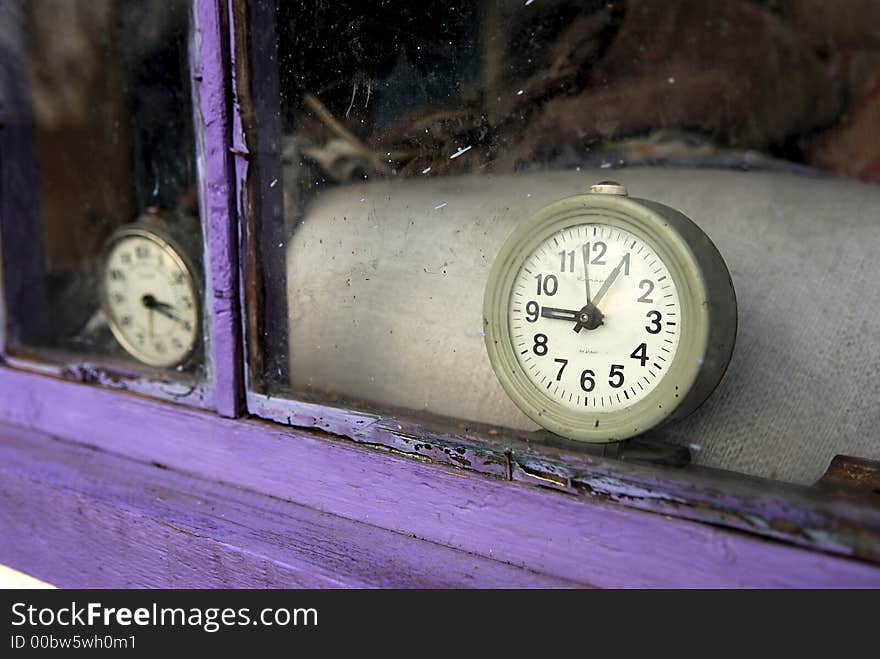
[
  {"x": 394, "y": 148},
  {"x": 101, "y": 238}
]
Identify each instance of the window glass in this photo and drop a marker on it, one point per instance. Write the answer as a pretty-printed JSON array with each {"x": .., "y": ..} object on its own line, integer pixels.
[
  {"x": 395, "y": 147},
  {"x": 101, "y": 238}
]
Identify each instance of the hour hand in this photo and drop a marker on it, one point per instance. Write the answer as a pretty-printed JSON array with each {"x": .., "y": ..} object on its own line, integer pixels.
[{"x": 559, "y": 314}]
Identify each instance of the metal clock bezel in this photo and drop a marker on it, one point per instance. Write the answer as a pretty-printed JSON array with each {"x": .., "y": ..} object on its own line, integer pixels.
[
  {"x": 170, "y": 247},
  {"x": 695, "y": 362}
]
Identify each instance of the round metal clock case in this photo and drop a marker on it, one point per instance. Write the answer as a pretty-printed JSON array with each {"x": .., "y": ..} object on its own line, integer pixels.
[
  {"x": 150, "y": 291},
  {"x": 606, "y": 316}
]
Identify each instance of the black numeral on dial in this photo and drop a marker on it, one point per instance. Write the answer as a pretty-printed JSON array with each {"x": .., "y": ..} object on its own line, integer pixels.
[
  {"x": 600, "y": 247},
  {"x": 648, "y": 285},
  {"x": 569, "y": 255},
  {"x": 548, "y": 284},
  {"x": 587, "y": 381},
  {"x": 655, "y": 318},
  {"x": 532, "y": 311},
  {"x": 564, "y": 363},
  {"x": 540, "y": 347},
  {"x": 615, "y": 376},
  {"x": 640, "y": 353}
]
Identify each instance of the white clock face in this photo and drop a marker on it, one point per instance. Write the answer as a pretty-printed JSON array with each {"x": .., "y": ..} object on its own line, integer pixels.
[
  {"x": 594, "y": 317},
  {"x": 150, "y": 297}
]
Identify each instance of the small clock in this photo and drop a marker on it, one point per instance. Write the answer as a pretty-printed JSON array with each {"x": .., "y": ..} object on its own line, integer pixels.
[
  {"x": 151, "y": 291},
  {"x": 606, "y": 316}
]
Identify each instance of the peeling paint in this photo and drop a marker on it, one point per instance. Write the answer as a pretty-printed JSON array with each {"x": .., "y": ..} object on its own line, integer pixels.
[{"x": 784, "y": 512}]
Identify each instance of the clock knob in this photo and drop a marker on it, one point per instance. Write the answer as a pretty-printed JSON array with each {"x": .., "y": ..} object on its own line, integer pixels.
[{"x": 609, "y": 187}]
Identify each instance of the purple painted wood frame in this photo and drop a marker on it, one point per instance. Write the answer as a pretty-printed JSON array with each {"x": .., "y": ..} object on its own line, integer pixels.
[
  {"x": 581, "y": 539},
  {"x": 210, "y": 76},
  {"x": 129, "y": 524}
]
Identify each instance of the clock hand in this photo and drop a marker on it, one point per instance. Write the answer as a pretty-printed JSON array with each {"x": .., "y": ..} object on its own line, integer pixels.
[
  {"x": 589, "y": 316},
  {"x": 586, "y": 255},
  {"x": 559, "y": 314},
  {"x": 163, "y": 308},
  {"x": 611, "y": 277}
]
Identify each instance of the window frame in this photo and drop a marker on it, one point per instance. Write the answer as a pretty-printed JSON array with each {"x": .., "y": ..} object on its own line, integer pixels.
[
  {"x": 208, "y": 68},
  {"x": 325, "y": 457},
  {"x": 697, "y": 493}
]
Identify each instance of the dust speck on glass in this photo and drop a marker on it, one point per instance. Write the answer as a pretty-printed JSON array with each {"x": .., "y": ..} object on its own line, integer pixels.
[
  {"x": 103, "y": 246},
  {"x": 399, "y": 144}
]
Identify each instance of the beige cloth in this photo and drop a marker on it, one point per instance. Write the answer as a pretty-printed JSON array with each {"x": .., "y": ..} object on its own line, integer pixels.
[{"x": 387, "y": 280}]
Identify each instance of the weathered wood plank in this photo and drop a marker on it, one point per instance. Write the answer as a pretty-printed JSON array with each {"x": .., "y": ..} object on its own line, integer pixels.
[
  {"x": 572, "y": 537},
  {"x": 842, "y": 522},
  {"x": 209, "y": 60},
  {"x": 78, "y": 517}
]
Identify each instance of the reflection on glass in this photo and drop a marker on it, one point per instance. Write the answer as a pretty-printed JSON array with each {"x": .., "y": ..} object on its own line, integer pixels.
[
  {"x": 104, "y": 108},
  {"x": 400, "y": 144}
]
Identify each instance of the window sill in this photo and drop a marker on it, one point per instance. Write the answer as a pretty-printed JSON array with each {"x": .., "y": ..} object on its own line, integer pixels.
[{"x": 590, "y": 537}]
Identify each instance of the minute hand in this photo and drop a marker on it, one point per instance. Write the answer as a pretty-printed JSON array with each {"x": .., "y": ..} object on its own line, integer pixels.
[
  {"x": 585, "y": 252},
  {"x": 604, "y": 289},
  {"x": 167, "y": 310}
]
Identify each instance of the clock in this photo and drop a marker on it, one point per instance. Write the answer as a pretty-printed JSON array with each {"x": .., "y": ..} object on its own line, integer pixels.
[
  {"x": 151, "y": 290},
  {"x": 606, "y": 316}
]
